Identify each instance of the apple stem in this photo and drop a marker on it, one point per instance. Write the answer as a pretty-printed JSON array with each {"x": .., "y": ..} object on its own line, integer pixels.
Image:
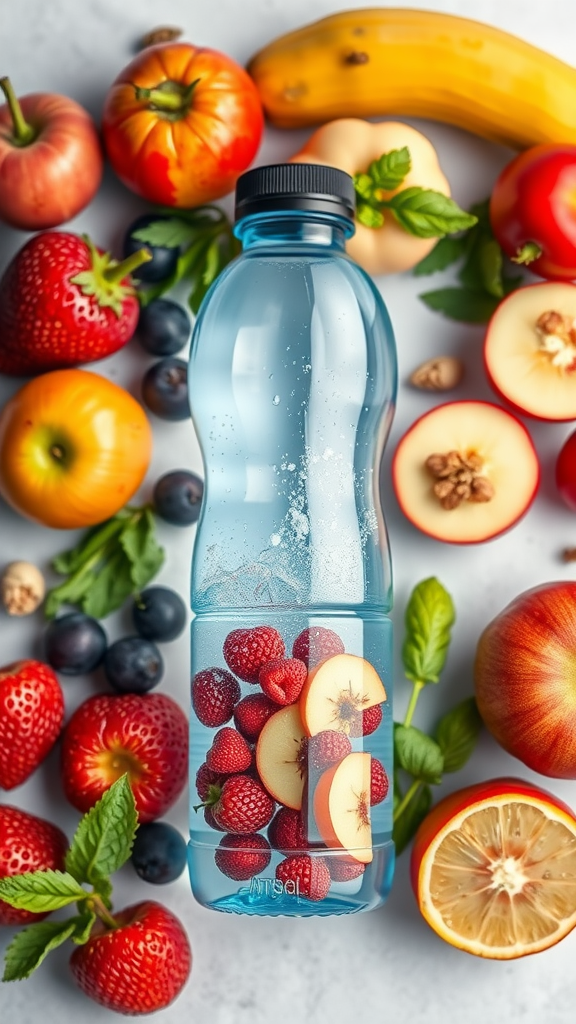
[
  {"x": 23, "y": 132},
  {"x": 167, "y": 97},
  {"x": 95, "y": 904},
  {"x": 417, "y": 686},
  {"x": 527, "y": 253},
  {"x": 406, "y": 799},
  {"x": 119, "y": 271}
]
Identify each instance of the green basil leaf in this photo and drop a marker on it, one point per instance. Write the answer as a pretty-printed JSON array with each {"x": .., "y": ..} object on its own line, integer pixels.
[
  {"x": 406, "y": 826},
  {"x": 41, "y": 891},
  {"x": 30, "y": 946},
  {"x": 429, "y": 616},
  {"x": 467, "y": 305},
  {"x": 105, "y": 835},
  {"x": 110, "y": 588},
  {"x": 397, "y": 793},
  {"x": 428, "y": 214},
  {"x": 418, "y": 754},
  {"x": 389, "y": 171},
  {"x": 446, "y": 251},
  {"x": 90, "y": 544},
  {"x": 71, "y": 591},
  {"x": 457, "y": 733},
  {"x": 138, "y": 540},
  {"x": 171, "y": 233},
  {"x": 364, "y": 187},
  {"x": 369, "y": 216}
]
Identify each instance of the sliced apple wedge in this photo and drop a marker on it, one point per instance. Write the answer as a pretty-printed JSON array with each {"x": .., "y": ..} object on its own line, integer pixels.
[
  {"x": 281, "y": 756},
  {"x": 342, "y": 807},
  {"x": 530, "y": 350},
  {"x": 336, "y": 693},
  {"x": 465, "y": 472}
]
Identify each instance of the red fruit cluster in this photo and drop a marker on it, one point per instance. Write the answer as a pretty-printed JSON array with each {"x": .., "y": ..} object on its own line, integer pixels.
[
  {"x": 229, "y": 752},
  {"x": 31, "y": 715},
  {"x": 252, "y": 713},
  {"x": 309, "y": 876},
  {"x": 247, "y": 650},
  {"x": 327, "y": 748},
  {"x": 215, "y": 693},
  {"x": 282, "y": 679},
  {"x": 379, "y": 783},
  {"x": 242, "y": 857},
  {"x": 287, "y": 832},
  {"x": 315, "y": 644},
  {"x": 243, "y": 806}
]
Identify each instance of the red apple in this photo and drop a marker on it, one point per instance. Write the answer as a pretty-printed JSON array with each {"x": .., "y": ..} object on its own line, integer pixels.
[
  {"x": 566, "y": 471},
  {"x": 51, "y": 161},
  {"x": 530, "y": 351},
  {"x": 465, "y": 472},
  {"x": 524, "y": 678},
  {"x": 145, "y": 735}
]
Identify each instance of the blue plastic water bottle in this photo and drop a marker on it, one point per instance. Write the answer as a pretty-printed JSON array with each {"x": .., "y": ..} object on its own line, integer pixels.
[{"x": 292, "y": 389}]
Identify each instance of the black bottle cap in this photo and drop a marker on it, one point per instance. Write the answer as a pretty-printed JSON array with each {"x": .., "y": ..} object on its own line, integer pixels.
[{"x": 312, "y": 187}]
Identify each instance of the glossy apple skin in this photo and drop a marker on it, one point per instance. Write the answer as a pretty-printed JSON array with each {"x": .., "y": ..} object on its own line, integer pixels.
[
  {"x": 465, "y": 799},
  {"x": 48, "y": 181},
  {"x": 566, "y": 471},
  {"x": 525, "y": 682}
]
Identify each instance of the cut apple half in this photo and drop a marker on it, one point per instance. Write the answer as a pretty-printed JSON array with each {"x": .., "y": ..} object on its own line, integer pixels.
[
  {"x": 336, "y": 693},
  {"x": 342, "y": 807},
  {"x": 530, "y": 350},
  {"x": 465, "y": 472},
  {"x": 281, "y": 756}
]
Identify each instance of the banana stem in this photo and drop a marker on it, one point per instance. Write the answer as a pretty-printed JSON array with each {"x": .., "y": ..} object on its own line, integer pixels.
[{"x": 23, "y": 132}]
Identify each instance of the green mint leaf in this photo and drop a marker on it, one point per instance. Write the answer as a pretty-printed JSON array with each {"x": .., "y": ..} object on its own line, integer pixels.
[
  {"x": 406, "y": 826},
  {"x": 446, "y": 251},
  {"x": 389, "y": 171},
  {"x": 171, "y": 233},
  {"x": 110, "y": 587},
  {"x": 91, "y": 543},
  {"x": 428, "y": 214},
  {"x": 457, "y": 733},
  {"x": 467, "y": 305},
  {"x": 138, "y": 541},
  {"x": 364, "y": 187},
  {"x": 104, "y": 837},
  {"x": 41, "y": 891},
  {"x": 429, "y": 617},
  {"x": 205, "y": 272},
  {"x": 83, "y": 925},
  {"x": 70, "y": 592},
  {"x": 369, "y": 216},
  {"x": 30, "y": 946},
  {"x": 418, "y": 754}
]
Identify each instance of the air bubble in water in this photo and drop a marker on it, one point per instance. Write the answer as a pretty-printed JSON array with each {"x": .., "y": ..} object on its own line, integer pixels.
[{"x": 276, "y": 400}]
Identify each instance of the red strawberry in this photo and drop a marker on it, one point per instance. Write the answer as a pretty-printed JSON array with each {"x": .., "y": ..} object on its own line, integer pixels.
[
  {"x": 343, "y": 869},
  {"x": 310, "y": 876},
  {"x": 229, "y": 752},
  {"x": 287, "y": 833},
  {"x": 145, "y": 735},
  {"x": 327, "y": 748},
  {"x": 64, "y": 302},
  {"x": 378, "y": 782},
  {"x": 282, "y": 679},
  {"x": 211, "y": 820},
  {"x": 205, "y": 778},
  {"x": 215, "y": 693},
  {"x": 138, "y": 967},
  {"x": 315, "y": 644},
  {"x": 242, "y": 857},
  {"x": 371, "y": 718},
  {"x": 27, "y": 843},
  {"x": 244, "y": 805},
  {"x": 31, "y": 714},
  {"x": 252, "y": 713},
  {"x": 246, "y": 650}
]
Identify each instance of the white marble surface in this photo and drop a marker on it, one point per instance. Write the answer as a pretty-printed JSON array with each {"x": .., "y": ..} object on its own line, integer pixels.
[{"x": 380, "y": 967}]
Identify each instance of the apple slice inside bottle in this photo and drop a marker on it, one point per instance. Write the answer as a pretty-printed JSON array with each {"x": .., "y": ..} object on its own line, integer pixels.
[
  {"x": 281, "y": 756},
  {"x": 342, "y": 807},
  {"x": 530, "y": 351},
  {"x": 336, "y": 693},
  {"x": 465, "y": 472}
]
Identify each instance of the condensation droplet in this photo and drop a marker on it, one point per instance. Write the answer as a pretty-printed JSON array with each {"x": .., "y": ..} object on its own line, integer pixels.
[{"x": 276, "y": 400}]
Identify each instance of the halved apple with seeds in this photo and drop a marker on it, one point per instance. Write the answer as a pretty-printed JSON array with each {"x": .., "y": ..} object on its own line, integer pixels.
[
  {"x": 530, "y": 350},
  {"x": 342, "y": 807},
  {"x": 465, "y": 472},
  {"x": 281, "y": 756},
  {"x": 336, "y": 693}
]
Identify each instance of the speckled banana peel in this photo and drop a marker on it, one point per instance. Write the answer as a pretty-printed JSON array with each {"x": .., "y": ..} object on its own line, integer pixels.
[{"x": 380, "y": 61}]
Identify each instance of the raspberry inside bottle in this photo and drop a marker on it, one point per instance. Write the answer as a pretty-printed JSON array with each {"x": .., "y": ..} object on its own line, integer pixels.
[{"x": 292, "y": 387}]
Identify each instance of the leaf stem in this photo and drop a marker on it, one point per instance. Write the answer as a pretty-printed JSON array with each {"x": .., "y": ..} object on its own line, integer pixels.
[
  {"x": 96, "y": 905},
  {"x": 406, "y": 799},
  {"x": 417, "y": 686}
]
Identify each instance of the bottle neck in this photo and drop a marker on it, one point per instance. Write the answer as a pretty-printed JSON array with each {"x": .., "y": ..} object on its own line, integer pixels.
[{"x": 282, "y": 228}]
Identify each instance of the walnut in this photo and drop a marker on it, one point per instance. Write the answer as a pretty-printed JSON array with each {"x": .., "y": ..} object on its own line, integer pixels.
[
  {"x": 458, "y": 477},
  {"x": 440, "y": 374},
  {"x": 22, "y": 588},
  {"x": 162, "y": 34}
]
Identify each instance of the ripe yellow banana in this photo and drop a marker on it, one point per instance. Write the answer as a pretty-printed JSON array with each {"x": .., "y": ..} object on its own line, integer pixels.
[{"x": 398, "y": 61}]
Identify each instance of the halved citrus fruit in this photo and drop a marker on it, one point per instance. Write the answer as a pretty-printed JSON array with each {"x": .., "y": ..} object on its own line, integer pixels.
[{"x": 494, "y": 869}]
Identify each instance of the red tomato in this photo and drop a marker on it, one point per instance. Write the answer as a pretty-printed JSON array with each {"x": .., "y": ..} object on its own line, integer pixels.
[
  {"x": 181, "y": 123},
  {"x": 533, "y": 210}
]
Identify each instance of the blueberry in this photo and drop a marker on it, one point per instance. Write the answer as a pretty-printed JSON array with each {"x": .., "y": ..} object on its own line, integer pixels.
[
  {"x": 159, "y": 614},
  {"x": 164, "y": 259},
  {"x": 165, "y": 389},
  {"x": 75, "y": 643},
  {"x": 178, "y": 497},
  {"x": 133, "y": 665},
  {"x": 159, "y": 852},
  {"x": 163, "y": 327}
]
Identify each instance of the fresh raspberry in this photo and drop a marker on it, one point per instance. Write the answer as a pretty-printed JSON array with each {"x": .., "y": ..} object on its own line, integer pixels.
[
  {"x": 252, "y": 713},
  {"x": 309, "y": 874},
  {"x": 282, "y": 679},
  {"x": 242, "y": 857},
  {"x": 246, "y": 650},
  {"x": 287, "y": 833},
  {"x": 215, "y": 694},
  {"x": 229, "y": 752},
  {"x": 371, "y": 718},
  {"x": 327, "y": 748},
  {"x": 244, "y": 805},
  {"x": 378, "y": 782},
  {"x": 205, "y": 778},
  {"x": 27, "y": 843},
  {"x": 315, "y": 644},
  {"x": 343, "y": 869}
]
